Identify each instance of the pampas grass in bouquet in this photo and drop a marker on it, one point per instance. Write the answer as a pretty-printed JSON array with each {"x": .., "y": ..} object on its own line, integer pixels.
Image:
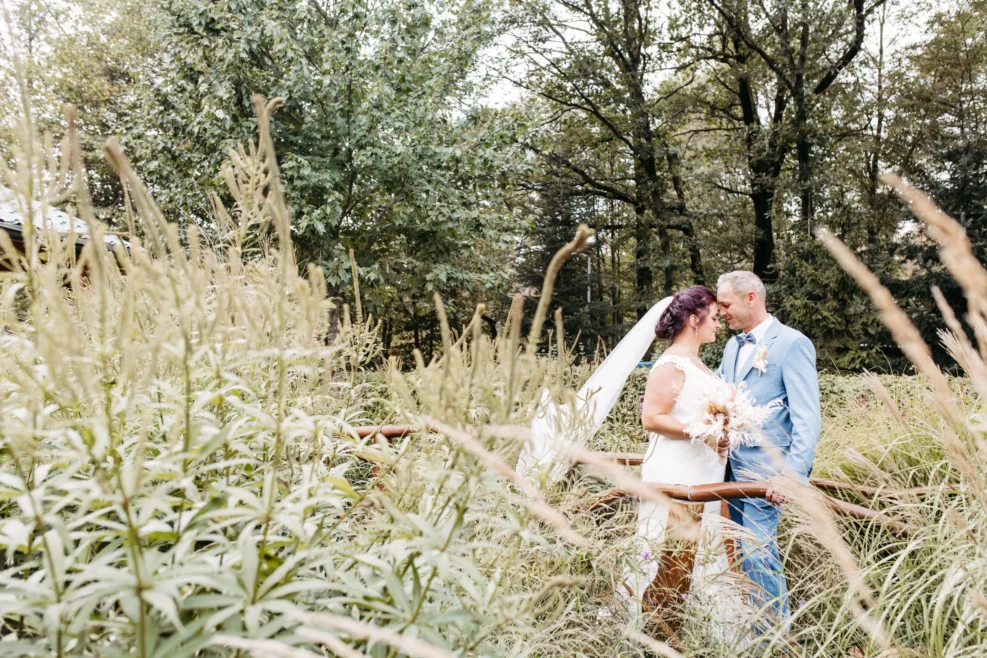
[{"x": 722, "y": 410}]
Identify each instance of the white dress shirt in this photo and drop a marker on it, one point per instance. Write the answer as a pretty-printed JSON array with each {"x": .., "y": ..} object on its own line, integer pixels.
[{"x": 747, "y": 348}]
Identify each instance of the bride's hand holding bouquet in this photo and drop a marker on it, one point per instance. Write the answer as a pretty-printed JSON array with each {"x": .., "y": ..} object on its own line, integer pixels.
[
  {"x": 723, "y": 445},
  {"x": 725, "y": 417}
]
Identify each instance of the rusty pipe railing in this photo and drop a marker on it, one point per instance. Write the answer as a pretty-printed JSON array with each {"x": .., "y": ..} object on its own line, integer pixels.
[
  {"x": 387, "y": 431},
  {"x": 706, "y": 493},
  {"x": 702, "y": 493}
]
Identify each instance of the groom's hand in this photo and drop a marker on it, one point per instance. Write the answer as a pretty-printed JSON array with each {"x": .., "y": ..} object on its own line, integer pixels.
[{"x": 774, "y": 496}]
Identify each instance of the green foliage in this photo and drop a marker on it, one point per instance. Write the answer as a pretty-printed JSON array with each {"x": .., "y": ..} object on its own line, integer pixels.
[
  {"x": 178, "y": 473},
  {"x": 177, "y": 466},
  {"x": 591, "y": 311},
  {"x": 89, "y": 54},
  {"x": 382, "y": 147},
  {"x": 942, "y": 133},
  {"x": 887, "y": 432},
  {"x": 390, "y": 146},
  {"x": 813, "y": 294}
]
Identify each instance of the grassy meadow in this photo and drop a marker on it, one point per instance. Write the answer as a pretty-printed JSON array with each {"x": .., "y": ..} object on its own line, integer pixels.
[{"x": 179, "y": 475}]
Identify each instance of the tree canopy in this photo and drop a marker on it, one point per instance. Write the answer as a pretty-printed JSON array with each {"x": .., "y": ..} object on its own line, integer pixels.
[{"x": 695, "y": 137}]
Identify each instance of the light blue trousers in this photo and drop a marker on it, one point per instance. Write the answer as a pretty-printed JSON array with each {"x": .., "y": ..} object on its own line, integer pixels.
[{"x": 759, "y": 552}]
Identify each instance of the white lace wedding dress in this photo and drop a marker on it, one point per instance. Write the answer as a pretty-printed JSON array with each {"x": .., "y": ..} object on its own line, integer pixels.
[
  {"x": 716, "y": 604},
  {"x": 715, "y": 599}
]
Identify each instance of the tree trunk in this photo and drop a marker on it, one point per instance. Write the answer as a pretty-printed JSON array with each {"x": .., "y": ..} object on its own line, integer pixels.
[
  {"x": 803, "y": 153},
  {"x": 667, "y": 264},
  {"x": 652, "y": 212},
  {"x": 648, "y": 181},
  {"x": 803, "y": 140},
  {"x": 387, "y": 335},
  {"x": 643, "y": 274},
  {"x": 874, "y": 161},
  {"x": 492, "y": 324},
  {"x": 618, "y": 314},
  {"x": 431, "y": 340},
  {"x": 764, "y": 240},
  {"x": 414, "y": 323},
  {"x": 650, "y": 216},
  {"x": 764, "y": 161},
  {"x": 685, "y": 224},
  {"x": 332, "y": 330}
]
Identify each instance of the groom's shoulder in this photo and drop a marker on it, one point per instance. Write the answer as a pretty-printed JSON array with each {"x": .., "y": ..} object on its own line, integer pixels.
[{"x": 793, "y": 335}]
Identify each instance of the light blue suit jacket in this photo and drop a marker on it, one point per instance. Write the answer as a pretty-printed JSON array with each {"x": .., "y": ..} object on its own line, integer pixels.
[{"x": 790, "y": 434}]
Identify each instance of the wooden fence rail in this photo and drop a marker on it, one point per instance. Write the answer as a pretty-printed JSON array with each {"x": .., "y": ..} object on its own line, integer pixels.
[{"x": 704, "y": 493}]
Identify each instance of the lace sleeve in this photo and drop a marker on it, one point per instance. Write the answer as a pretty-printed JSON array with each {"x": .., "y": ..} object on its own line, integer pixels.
[{"x": 680, "y": 362}]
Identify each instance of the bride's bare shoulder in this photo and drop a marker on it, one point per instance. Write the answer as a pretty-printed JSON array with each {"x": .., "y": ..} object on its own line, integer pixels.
[{"x": 665, "y": 380}]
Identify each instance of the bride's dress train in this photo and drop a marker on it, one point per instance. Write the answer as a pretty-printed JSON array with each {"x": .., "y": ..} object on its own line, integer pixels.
[{"x": 715, "y": 600}]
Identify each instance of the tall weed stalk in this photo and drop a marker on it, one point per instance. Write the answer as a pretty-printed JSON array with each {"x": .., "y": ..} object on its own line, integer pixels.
[{"x": 178, "y": 470}]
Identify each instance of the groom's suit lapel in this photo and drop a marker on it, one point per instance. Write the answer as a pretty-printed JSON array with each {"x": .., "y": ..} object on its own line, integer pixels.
[
  {"x": 765, "y": 343},
  {"x": 730, "y": 361}
]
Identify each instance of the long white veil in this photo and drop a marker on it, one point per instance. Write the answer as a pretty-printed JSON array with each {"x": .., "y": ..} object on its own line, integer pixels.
[{"x": 555, "y": 427}]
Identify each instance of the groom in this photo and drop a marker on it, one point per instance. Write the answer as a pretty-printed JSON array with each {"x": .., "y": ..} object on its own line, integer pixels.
[{"x": 774, "y": 362}]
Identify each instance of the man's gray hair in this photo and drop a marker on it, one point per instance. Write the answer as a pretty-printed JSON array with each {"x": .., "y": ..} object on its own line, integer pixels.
[{"x": 743, "y": 282}]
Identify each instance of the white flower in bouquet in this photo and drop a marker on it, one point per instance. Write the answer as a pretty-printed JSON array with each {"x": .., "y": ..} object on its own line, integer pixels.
[{"x": 720, "y": 410}]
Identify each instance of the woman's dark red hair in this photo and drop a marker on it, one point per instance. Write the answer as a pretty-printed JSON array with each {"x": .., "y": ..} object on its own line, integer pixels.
[{"x": 695, "y": 300}]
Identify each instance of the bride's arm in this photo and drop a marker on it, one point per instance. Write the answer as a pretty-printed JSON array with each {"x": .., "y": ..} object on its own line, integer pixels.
[{"x": 664, "y": 384}]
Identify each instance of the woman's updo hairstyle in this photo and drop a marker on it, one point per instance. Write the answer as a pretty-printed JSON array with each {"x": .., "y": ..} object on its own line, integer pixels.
[{"x": 695, "y": 300}]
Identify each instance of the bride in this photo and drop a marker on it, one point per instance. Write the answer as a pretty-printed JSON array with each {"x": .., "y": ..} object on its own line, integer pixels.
[
  {"x": 697, "y": 570},
  {"x": 701, "y": 574}
]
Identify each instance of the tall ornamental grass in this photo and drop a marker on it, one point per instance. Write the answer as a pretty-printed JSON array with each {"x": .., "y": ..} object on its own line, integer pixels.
[
  {"x": 178, "y": 471},
  {"x": 179, "y": 474}
]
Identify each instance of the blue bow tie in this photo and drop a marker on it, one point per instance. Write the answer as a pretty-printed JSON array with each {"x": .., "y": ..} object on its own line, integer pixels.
[{"x": 746, "y": 338}]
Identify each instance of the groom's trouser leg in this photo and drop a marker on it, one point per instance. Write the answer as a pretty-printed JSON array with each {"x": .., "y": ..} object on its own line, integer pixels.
[
  {"x": 761, "y": 561},
  {"x": 735, "y": 505},
  {"x": 759, "y": 550}
]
